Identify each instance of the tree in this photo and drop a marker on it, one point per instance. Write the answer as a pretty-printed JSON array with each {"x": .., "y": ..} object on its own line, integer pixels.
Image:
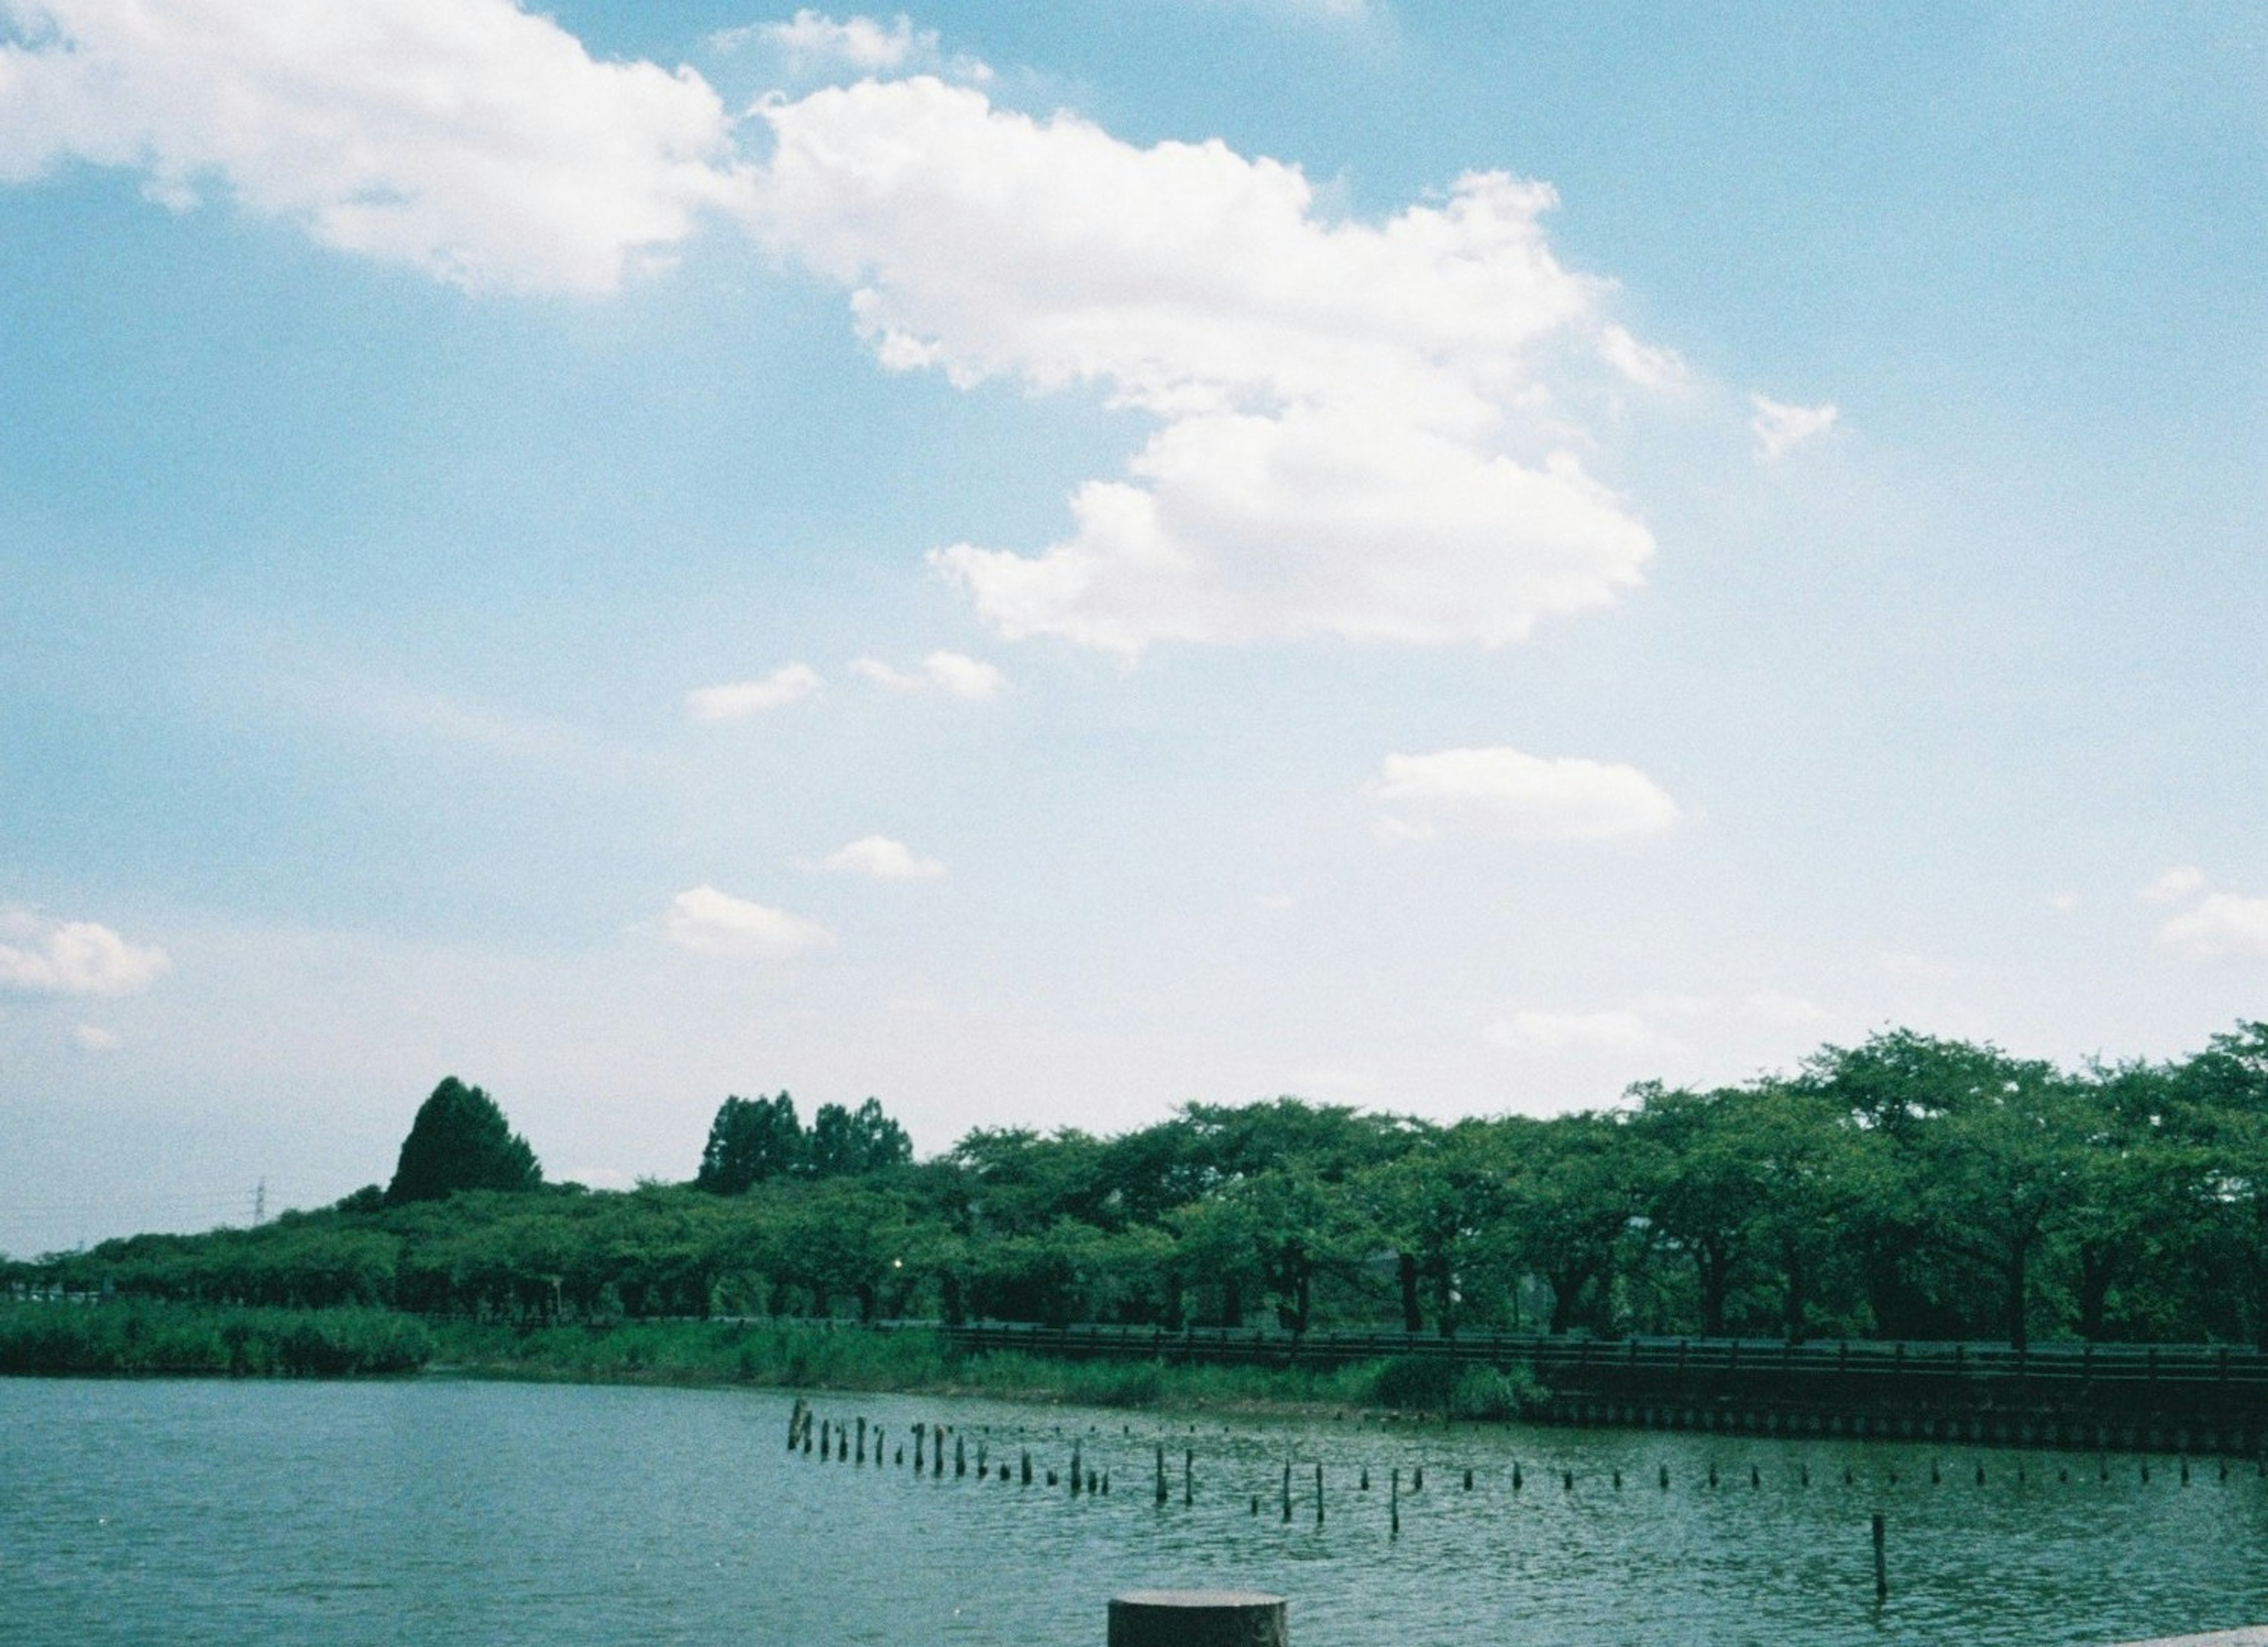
[
  {"x": 752, "y": 1139},
  {"x": 847, "y": 1142},
  {"x": 460, "y": 1140}
]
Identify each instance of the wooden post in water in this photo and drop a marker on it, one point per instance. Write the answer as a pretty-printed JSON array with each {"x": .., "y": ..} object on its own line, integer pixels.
[
  {"x": 1198, "y": 1618},
  {"x": 1394, "y": 1505},
  {"x": 1712, "y": 1472},
  {"x": 1319, "y": 1495},
  {"x": 1077, "y": 1471},
  {"x": 921, "y": 1431},
  {"x": 1161, "y": 1475},
  {"x": 1881, "y": 1571},
  {"x": 862, "y": 1441},
  {"x": 959, "y": 1456},
  {"x": 1287, "y": 1492},
  {"x": 1027, "y": 1467},
  {"x": 1189, "y": 1477},
  {"x": 1468, "y": 1478},
  {"x": 1755, "y": 1476},
  {"x": 1362, "y": 1485},
  {"x": 1665, "y": 1477}
]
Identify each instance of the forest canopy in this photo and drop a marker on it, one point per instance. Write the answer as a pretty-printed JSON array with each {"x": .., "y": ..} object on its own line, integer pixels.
[{"x": 1908, "y": 1187}]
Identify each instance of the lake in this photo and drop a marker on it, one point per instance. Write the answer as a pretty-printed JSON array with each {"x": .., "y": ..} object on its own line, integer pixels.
[{"x": 437, "y": 1510}]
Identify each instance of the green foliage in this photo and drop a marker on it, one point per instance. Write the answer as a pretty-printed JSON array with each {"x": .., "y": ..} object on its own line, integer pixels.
[
  {"x": 55, "y": 1338},
  {"x": 1906, "y": 1188},
  {"x": 459, "y": 1140}
]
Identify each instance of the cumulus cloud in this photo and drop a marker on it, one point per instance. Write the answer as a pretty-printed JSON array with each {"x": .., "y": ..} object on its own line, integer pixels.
[
  {"x": 2223, "y": 926},
  {"x": 94, "y": 1039},
  {"x": 712, "y": 922},
  {"x": 955, "y": 674},
  {"x": 881, "y": 858},
  {"x": 1529, "y": 797},
  {"x": 741, "y": 699},
  {"x": 1781, "y": 429},
  {"x": 41, "y": 957},
  {"x": 467, "y": 138},
  {"x": 1353, "y": 439}
]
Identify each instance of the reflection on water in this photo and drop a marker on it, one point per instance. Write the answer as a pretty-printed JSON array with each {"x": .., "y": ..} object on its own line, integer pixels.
[{"x": 439, "y": 1512}]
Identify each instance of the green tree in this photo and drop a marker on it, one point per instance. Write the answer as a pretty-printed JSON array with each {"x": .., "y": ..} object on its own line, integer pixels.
[
  {"x": 847, "y": 1143},
  {"x": 751, "y": 1140},
  {"x": 460, "y": 1140}
]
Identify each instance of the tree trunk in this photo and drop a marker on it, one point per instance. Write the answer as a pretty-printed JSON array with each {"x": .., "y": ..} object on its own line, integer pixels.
[
  {"x": 1566, "y": 1289},
  {"x": 1445, "y": 1296},
  {"x": 1792, "y": 1260},
  {"x": 1231, "y": 1303},
  {"x": 2018, "y": 1263},
  {"x": 1413, "y": 1318},
  {"x": 1711, "y": 1269}
]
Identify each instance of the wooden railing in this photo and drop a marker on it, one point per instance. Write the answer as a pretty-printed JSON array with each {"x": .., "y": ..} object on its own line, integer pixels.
[{"x": 2238, "y": 1371}]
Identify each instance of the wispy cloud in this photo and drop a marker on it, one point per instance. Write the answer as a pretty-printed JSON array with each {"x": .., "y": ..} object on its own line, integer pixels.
[
  {"x": 955, "y": 674},
  {"x": 1528, "y": 798},
  {"x": 741, "y": 699},
  {"x": 712, "y": 922},
  {"x": 813, "y": 43},
  {"x": 1780, "y": 427}
]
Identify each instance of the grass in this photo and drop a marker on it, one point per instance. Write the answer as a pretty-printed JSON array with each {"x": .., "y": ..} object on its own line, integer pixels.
[
  {"x": 138, "y": 1338},
  {"x": 143, "y": 1338}
]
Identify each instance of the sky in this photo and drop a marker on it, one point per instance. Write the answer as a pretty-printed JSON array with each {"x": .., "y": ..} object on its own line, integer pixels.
[{"x": 1042, "y": 563}]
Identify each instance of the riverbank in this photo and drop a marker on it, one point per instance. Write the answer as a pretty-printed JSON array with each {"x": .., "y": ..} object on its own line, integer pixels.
[{"x": 143, "y": 1339}]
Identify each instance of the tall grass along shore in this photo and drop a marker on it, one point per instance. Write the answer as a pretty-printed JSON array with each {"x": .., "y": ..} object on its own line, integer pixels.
[{"x": 137, "y": 1338}]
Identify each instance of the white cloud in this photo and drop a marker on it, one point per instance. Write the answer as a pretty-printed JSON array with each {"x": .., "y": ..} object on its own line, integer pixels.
[
  {"x": 1658, "y": 1023},
  {"x": 712, "y": 922},
  {"x": 74, "y": 957},
  {"x": 2172, "y": 887},
  {"x": 2223, "y": 927},
  {"x": 1354, "y": 441},
  {"x": 1528, "y": 797},
  {"x": 1618, "y": 1029},
  {"x": 882, "y": 858},
  {"x": 812, "y": 42},
  {"x": 1781, "y": 429},
  {"x": 2064, "y": 902},
  {"x": 740, "y": 700},
  {"x": 955, "y": 674},
  {"x": 467, "y": 138},
  {"x": 94, "y": 1038},
  {"x": 859, "y": 43},
  {"x": 1661, "y": 369}
]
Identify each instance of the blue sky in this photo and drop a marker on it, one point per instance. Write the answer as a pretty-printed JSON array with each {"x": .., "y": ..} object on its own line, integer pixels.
[{"x": 1041, "y": 562}]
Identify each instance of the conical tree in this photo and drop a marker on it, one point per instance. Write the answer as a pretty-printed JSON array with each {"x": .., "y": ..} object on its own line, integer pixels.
[{"x": 460, "y": 1140}]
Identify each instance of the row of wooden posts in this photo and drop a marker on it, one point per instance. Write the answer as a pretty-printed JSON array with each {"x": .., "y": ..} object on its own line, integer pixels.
[{"x": 841, "y": 1441}]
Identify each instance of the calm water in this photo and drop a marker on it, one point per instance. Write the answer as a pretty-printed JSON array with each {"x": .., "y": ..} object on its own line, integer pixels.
[{"x": 438, "y": 1512}]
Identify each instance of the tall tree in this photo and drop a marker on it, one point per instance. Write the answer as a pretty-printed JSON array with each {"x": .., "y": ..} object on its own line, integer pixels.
[
  {"x": 751, "y": 1140},
  {"x": 846, "y": 1142},
  {"x": 460, "y": 1140}
]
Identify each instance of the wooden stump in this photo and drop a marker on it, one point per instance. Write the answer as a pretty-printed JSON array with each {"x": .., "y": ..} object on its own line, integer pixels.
[{"x": 1197, "y": 1618}]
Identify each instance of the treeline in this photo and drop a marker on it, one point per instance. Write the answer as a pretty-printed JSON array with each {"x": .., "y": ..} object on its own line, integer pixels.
[{"x": 1906, "y": 1188}]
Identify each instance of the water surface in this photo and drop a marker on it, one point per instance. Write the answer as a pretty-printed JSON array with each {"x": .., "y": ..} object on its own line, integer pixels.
[{"x": 435, "y": 1511}]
